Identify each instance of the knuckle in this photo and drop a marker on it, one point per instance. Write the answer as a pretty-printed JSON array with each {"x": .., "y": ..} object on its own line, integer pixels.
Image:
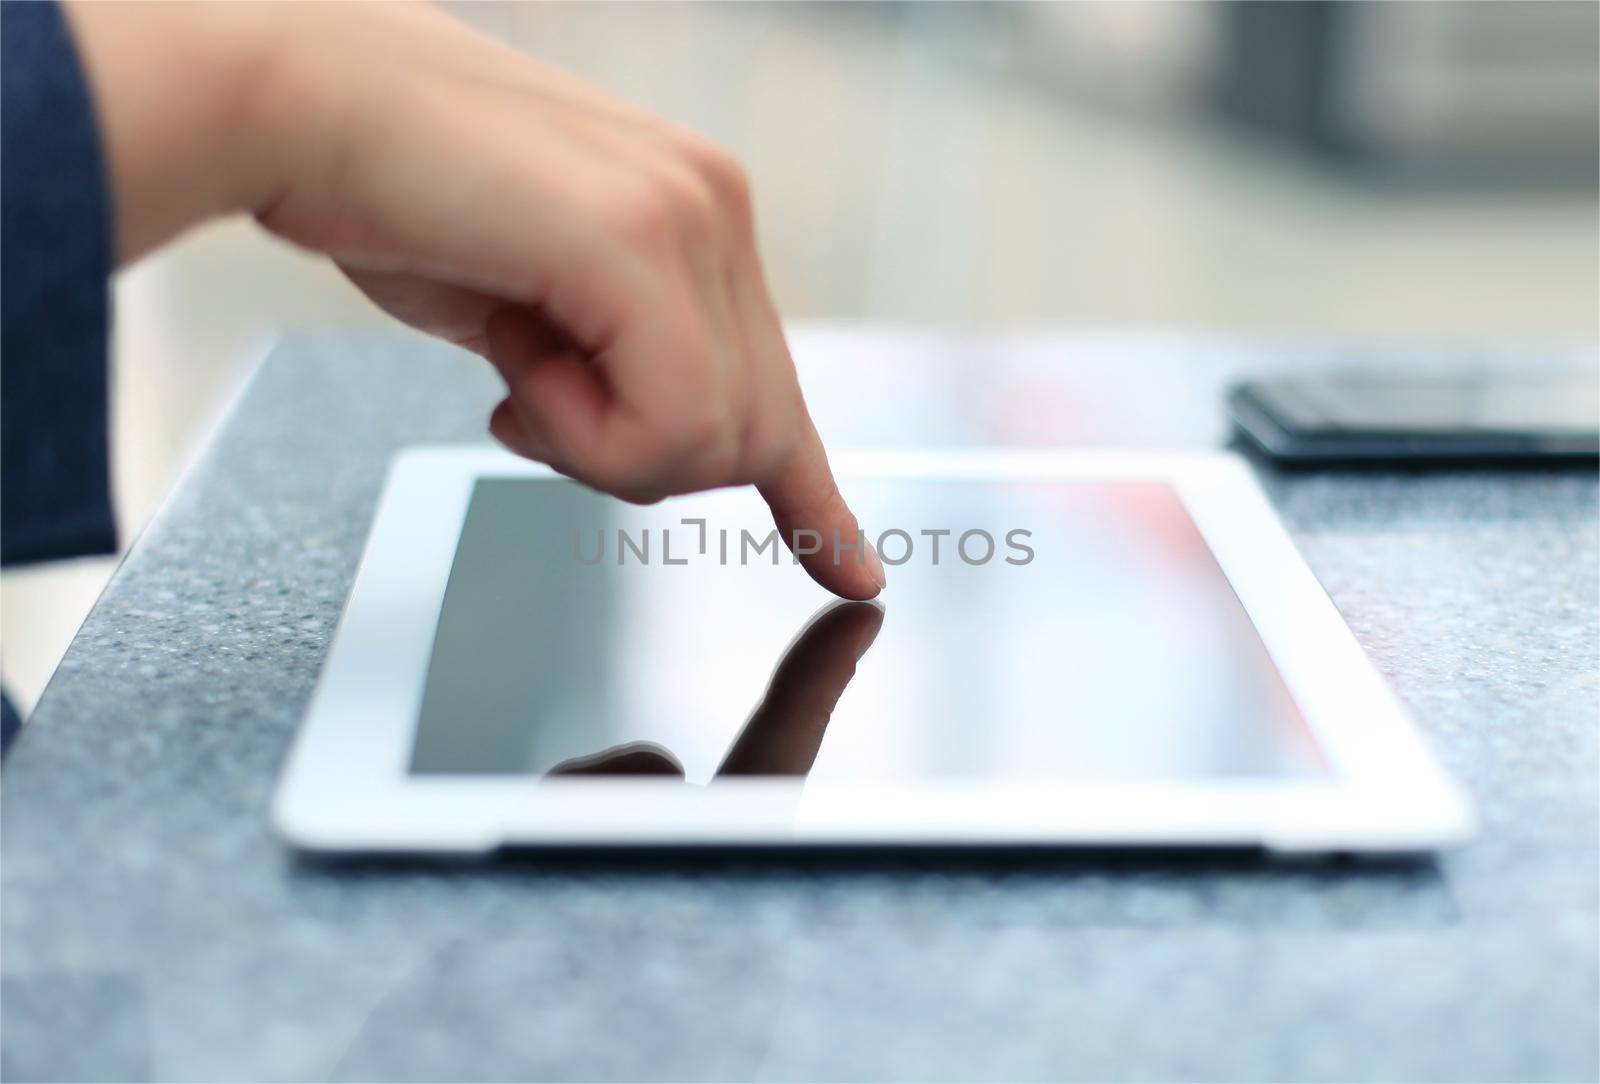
[
  {"x": 720, "y": 172},
  {"x": 643, "y": 215},
  {"x": 733, "y": 184},
  {"x": 696, "y": 206}
]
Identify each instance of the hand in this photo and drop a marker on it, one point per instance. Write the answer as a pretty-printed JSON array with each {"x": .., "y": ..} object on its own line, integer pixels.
[
  {"x": 784, "y": 733},
  {"x": 605, "y": 261}
]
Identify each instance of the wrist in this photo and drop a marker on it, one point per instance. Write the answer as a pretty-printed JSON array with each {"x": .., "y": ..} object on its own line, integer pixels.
[{"x": 184, "y": 99}]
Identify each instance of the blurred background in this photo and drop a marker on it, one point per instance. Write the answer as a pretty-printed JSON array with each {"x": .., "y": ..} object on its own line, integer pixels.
[{"x": 1394, "y": 171}]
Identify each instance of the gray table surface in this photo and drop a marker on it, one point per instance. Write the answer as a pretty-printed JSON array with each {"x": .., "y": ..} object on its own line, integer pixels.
[{"x": 154, "y": 927}]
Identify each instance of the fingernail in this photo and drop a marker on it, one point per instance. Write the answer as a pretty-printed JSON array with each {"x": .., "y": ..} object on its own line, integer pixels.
[{"x": 874, "y": 565}]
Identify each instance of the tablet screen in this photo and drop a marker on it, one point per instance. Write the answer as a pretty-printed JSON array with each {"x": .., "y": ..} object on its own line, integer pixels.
[{"x": 1056, "y": 630}]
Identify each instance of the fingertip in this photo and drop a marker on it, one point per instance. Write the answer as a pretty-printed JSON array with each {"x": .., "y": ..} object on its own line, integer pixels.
[
  {"x": 849, "y": 579},
  {"x": 805, "y": 498},
  {"x": 844, "y": 560},
  {"x": 874, "y": 563}
]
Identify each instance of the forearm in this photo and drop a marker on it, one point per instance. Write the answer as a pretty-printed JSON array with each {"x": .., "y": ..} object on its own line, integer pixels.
[{"x": 184, "y": 103}]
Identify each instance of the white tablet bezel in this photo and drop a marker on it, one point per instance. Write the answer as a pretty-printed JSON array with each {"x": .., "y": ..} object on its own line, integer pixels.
[{"x": 345, "y": 786}]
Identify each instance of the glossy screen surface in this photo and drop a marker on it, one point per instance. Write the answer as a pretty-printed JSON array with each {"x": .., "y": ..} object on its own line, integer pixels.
[{"x": 1109, "y": 645}]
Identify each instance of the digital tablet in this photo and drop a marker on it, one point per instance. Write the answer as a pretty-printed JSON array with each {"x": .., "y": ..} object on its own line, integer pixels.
[{"x": 1074, "y": 649}]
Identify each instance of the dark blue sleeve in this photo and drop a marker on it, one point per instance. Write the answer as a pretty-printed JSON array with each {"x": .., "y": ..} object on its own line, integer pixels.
[{"x": 55, "y": 259}]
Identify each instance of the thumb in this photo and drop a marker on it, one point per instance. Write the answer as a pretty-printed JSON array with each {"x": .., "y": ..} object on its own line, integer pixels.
[{"x": 817, "y": 525}]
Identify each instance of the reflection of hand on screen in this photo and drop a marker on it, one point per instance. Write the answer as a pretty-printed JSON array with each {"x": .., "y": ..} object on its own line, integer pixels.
[{"x": 784, "y": 732}]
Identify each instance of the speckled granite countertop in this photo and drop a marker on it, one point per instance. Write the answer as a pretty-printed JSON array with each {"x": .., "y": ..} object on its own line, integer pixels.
[{"x": 153, "y": 927}]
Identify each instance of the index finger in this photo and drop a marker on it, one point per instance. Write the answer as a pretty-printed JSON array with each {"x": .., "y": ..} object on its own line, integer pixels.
[{"x": 818, "y": 526}]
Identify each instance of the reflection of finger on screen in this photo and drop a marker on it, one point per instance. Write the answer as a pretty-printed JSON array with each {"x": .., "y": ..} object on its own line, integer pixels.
[{"x": 785, "y": 730}]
